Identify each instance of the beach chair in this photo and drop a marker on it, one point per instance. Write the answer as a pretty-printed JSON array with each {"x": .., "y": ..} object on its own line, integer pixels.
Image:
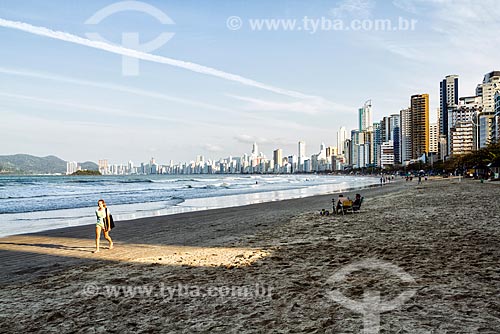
[
  {"x": 347, "y": 206},
  {"x": 356, "y": 206}
]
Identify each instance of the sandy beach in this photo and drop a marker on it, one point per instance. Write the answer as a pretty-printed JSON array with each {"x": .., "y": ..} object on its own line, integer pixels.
[{"x": 424, "y": 258}]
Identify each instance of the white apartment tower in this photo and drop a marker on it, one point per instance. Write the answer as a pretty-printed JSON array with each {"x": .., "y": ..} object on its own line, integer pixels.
[
  {"x": 341, "y": 137},
  {"x": 487, "y": 119},
  {"x": 434, "y": 138},
  {"x": 71, "y": 167},
  {"x": 302, "y": 155},
  {"x": 405, "y": 135},
  {"x": 365, "y": 117}
]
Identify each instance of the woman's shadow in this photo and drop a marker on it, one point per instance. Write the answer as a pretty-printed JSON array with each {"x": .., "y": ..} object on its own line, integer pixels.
[{"x": 55, "y": 246}]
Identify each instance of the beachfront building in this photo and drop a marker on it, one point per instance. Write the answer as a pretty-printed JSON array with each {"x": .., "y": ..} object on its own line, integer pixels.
[
  {"x": 71, "y": 167},
  {"x": 354, "y": 152},
  {"x": 487, "y": 90},
  {"x": 278, "y": 160},
  {"x": 486, "y": 124},
  {"x": 369, "y": 158},
  {"x": 103, "y": 166},
  {"x": 341, "y": 137},
  {"x": 434, "y": 138},
  {"x": 461, "y": 121},
  {"x": 496, "y": 119},
  {"x": 377, "y": 141},
  {"x": 419, "y": 110},
  {"x": 385, "y": 129},
  {"x": 387, "y": 154},
  {"x": 321, "y": 161},
  {"x": 331, "y": 150},
  {"x": 347, "y": 153},
  {"x": 291, "y": 164},
  {"x": 395, "y": 126},
  {"x": 405, "y": 135},
  {"x": 301, "y": 156},
  {"x": 448, "y": 101},
  {"x": 365, "y": 116}
]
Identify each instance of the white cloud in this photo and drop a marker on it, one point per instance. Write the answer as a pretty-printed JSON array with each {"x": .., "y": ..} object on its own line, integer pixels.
[
  {"x": 313, "y": 106},
  {"x": 245, "y": 139},
  {"x": 73, "y": 106},
  {"x": 353, "y": 8},
  {"x": 459, "y": 33},
  {"x": 119, "y": 88},
  {"x": 249, "y": 140},
  {"x": 212, "y": 148},
  {"x": 64, "y": 36}
]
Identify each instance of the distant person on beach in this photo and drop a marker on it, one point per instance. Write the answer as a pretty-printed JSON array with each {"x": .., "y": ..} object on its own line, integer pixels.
[{"x": 101, "y": 213}]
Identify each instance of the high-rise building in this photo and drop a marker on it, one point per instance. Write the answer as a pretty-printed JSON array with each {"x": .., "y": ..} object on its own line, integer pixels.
[
  {"x": 103, "y": 166},
  {"x": 419, "y": 125},
  {"x": 369, "y": 150},
  {"x": 365, "y": 116},
  {"x": 302, "y": 155},
  {"x": 463, "y": 125},
  {"x": 496, "y": 119},
  {"x": 434, "y": 138},
  {"x": 395, "y": 125},
  {"x": 486, "y": 125},
  {"x": 462, "y": 133},
  {"x": 386, "y": 154},
  {"x": 331, "y": 150},
  {"x": 385, "y": 129},
  {"x": 405, "y": 135},
  {"x": 255, "y": 150},
  {"x": 377, "y": 142},
  {"x": 341, "y": 137},
  {"x": 348, "y": 152},
  {"x": 487, "y": 90},
  {"x": 354, "y": 149},
  {"x": 487, "y": 119},
  {"x": 71, "y": 167},
  {"x": 130, "y": 167},
  {"x": 278, "y": 158},
  {"x": 448, "y": 95}
]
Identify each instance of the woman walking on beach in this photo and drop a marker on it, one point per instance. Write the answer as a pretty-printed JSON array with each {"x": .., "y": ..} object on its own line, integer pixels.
[{"x": 101, "y": 213}]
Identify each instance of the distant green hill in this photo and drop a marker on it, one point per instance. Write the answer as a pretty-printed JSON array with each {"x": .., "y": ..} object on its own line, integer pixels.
[{"x": 29, "y": 164}]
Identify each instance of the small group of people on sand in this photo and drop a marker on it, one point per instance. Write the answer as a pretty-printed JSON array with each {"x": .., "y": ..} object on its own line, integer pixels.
[
  {"x": 341, "y": 201},
  {"x": 340, "y": 205}
]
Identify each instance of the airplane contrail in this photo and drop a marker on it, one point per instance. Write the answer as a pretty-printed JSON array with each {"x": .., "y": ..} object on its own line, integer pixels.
[{"x": 64, "y": 36}]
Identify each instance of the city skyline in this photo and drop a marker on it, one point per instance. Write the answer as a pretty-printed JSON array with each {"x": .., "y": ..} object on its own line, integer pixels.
[{"x": 228, "y": 88}]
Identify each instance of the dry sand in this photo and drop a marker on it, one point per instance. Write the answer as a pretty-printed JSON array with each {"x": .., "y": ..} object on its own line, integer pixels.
[{"x": 270, "y": 268}]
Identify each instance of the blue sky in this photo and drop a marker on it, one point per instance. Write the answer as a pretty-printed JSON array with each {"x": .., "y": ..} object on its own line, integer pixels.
[{"x": 72, "y": 100}]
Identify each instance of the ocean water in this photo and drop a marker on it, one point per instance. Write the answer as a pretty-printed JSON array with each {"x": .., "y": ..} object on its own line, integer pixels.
[{"x": 38, "y": 203}]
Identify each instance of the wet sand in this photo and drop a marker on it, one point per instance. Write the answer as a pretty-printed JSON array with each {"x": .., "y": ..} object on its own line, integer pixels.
[{"x": 270, "y": 267}]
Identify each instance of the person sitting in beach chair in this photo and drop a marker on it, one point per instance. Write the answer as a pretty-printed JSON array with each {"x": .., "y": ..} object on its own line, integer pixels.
[
  {"x": 337, "y": 204},
  {"x": 347, "y": 206},
  {"x": 356, "y": 205},
  {"x": 343, "y": 205}
]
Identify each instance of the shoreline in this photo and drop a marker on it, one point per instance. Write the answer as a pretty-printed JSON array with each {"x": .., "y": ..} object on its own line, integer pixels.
[
  {"x": 194, "y": 228},
  {"x": 156, "y": 209}
]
